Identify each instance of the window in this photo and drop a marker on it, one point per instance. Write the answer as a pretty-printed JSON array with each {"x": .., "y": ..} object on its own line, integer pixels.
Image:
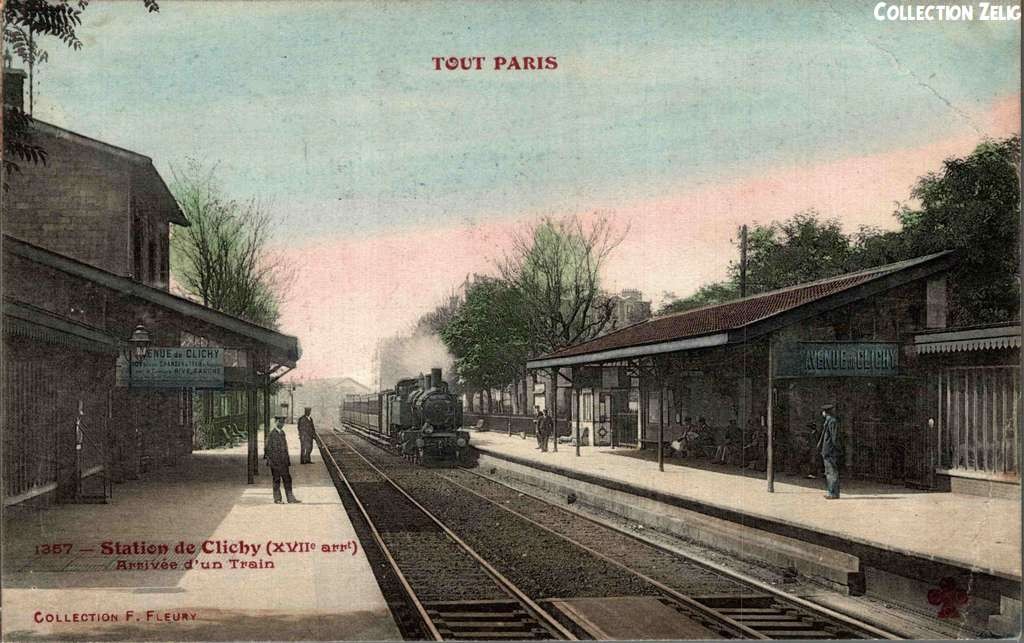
[
  {"x": 165, "y": 277},
  {"x": 154, "y": 265},
  {"x": 587, "y": 406},
  {"x": 136, "y": 247}
]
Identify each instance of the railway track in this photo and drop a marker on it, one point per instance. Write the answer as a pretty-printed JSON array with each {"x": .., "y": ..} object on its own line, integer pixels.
[
  {"x": 440, "y": 588},
  {"x": 493, "y": 520}
]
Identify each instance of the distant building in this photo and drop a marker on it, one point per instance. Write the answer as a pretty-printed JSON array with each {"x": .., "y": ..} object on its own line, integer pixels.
[{"x": 628, "y": 307}]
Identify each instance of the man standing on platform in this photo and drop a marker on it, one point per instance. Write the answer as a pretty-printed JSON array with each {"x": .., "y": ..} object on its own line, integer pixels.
[
  {"x": 544, "y": 430},
  {"x": 831, "y": 450},
  {"x": 537, "y": 420},
  {"x": 306, "y": 432},
  {"x": 276, "y": 455}
]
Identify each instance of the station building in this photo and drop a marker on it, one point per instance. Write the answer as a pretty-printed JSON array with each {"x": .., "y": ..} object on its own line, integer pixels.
[
  {"x": 85, "y": 277},
  {"x": 919, "y": 403}
]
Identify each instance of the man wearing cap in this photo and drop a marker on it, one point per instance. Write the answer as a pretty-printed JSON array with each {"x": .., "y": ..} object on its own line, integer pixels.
[
  {"x": 276, "y": 455},
  {"x": 306, "y": 431},
  {"x": 831, "y": 450}
]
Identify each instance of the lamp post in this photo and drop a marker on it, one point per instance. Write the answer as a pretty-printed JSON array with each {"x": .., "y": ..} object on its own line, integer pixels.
[
  {"x": 291, "y": 407},
  {"x": 138, "y": 346}
]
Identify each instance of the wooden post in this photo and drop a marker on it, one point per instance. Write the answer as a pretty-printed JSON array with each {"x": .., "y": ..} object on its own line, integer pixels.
[
  {"x": 554, "y": 406},
  {"x": 579, "y": 412},
  {"x": 771, "y": 431},
  {"x": 661, "y": 422},
  {"x": 250, "y": 432},
  {"x": 266, "y": 413},
  {"x": 643, "y": 401}
]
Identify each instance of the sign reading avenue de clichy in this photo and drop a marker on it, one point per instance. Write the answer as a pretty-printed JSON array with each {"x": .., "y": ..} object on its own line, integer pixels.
[
  {"x": 838, "y": 359},
  {"x": 174, "y": 367}
]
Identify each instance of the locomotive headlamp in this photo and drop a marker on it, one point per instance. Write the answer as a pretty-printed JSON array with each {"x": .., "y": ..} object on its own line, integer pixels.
[
  {"x": 461, "y": 442},
  {"x": 428, "y": 430}
]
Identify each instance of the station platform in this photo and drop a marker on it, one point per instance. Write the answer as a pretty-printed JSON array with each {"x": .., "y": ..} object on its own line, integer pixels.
[
  {"x": 890, "y": 535},
  {"x": 292, "y": 592}
]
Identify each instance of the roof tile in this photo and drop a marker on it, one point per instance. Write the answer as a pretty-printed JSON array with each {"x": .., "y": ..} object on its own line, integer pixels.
[{"x": 731, "y": 315}]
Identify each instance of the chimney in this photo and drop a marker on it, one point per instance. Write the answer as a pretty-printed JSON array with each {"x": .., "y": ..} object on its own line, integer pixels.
[
  {"x": 435, "y": 378},
  {"x": 14, "y": 85}
]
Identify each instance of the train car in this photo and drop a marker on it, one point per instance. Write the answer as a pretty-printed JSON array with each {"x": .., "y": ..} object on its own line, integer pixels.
[{"x": 419, "y": 416}]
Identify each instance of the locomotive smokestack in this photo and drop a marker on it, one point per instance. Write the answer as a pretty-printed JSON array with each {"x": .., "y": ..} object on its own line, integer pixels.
[{"x": 435, "y": 378}]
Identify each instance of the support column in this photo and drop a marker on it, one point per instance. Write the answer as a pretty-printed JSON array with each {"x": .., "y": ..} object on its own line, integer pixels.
[
  {"x": 250, "y": 476},
  {"x": 266, "y": 413},
  {"x": 643, "y": 409},
  {"x": 771, "y": 432},
  {"x": 661, "y": 422},
  {"x": 578, "y": 394},
  {"x": 250, "y": 432},
  {"x": 554, "y": 406}
]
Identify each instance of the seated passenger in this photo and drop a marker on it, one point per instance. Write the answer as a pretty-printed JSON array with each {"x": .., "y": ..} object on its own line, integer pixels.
[
  {"x": 676, "y": 449},
  {"x": 756, "y": 452}
]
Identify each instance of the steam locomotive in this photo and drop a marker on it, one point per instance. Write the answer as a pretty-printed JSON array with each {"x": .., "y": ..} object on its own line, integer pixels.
[{"x": 419, "y": 417}]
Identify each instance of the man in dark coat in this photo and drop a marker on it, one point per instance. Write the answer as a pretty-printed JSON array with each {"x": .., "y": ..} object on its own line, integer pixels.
[
  {"x": 276, "y": 455},
  {"x": 306, "y": 432},
  {"x": 538, "y": 419},
  {"x": 831, "y": 450},
  {"x": 544, "y": 430}
]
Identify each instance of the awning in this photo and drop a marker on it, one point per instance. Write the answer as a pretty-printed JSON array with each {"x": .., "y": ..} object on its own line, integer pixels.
[
  {"x": 34, "y": 323},
  {"x": 970, "y": 339}
]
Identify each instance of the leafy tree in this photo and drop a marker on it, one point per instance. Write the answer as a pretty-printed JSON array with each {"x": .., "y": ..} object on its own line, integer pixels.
[
  {"x": 222, "y": 258},
  {"x": 489, "y": 335},
  {"x": 435, "y": 321},
  {"x": 555, "y": 267},
  {"x": 57, "y": 18},
  {"x": 24, "y": 20},
  {"x": 801, "y": 248},
  {"x": 714, "y": 293},
  {"x": 972, "y": 205}
]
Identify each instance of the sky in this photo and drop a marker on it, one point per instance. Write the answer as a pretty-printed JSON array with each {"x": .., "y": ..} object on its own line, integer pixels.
[{"x": 390, "y": 181}]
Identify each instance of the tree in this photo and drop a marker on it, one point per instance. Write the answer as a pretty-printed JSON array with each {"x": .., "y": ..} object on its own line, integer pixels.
[
  {"x": 801, "y": 248},
  {"x": 489, "y": 335},
  {"x": 555, "y": 268},
  {"x": 714, "y": 293},
  {"x": 222, "y": 258},
  {"x": 972, "y": 205},
  {"x": 435, "y": 321},
  {"x": 24, "y": 20}
]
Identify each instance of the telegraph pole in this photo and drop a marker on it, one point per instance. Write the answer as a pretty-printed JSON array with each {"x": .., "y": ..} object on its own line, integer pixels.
[{"x": 743, "y": 260}]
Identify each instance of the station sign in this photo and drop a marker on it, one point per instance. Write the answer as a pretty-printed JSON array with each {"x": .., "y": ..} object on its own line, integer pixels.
[
  {"x": 838, "y": 359},
  {"x": 174, "y": 367}
]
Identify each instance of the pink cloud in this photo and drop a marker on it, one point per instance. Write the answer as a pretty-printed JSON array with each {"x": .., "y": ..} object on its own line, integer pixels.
[{"x": 350, "y": 291}]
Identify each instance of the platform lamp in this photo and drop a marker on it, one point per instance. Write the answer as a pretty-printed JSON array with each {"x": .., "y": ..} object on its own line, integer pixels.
[{"x": 138, "y": 346}]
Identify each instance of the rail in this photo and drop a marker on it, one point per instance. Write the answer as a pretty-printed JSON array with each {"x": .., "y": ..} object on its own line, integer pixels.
[
  {"x": 406, "y": 587},
  {"x": 786, "y": 607},
  {"x": 720, "y": 569},
  {"x": 456, "y": 613}
]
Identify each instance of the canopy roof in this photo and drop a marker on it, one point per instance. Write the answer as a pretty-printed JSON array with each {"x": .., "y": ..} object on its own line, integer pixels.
[
  {"x": 283, "y": 349},
  {"x": 746, "y": 318}
]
